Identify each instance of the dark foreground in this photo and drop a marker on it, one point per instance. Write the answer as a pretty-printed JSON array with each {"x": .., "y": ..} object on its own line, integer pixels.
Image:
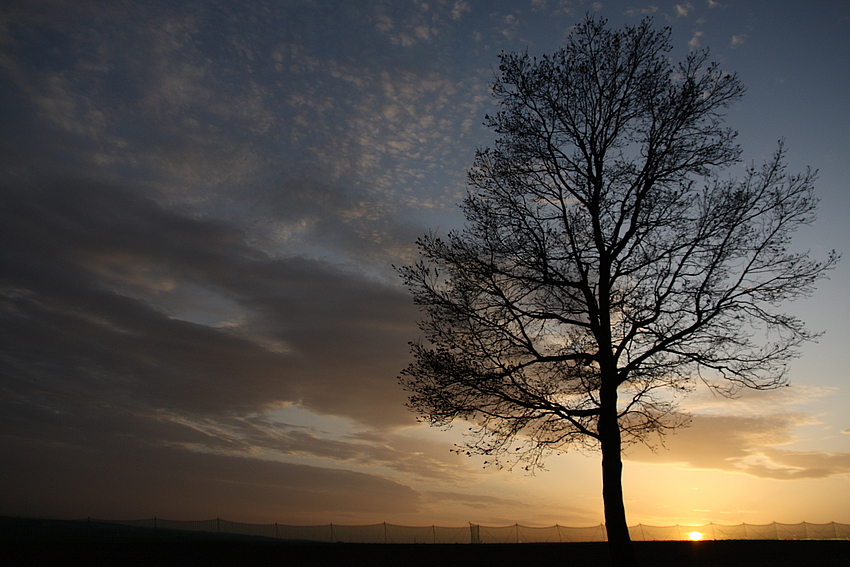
[{"x": 78, "y": 545}]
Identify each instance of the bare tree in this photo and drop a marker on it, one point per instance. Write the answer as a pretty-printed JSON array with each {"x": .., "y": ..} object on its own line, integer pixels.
[{"x": 605, "y": 266}]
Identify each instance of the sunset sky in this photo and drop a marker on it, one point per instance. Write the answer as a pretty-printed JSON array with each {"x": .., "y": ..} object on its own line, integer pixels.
[{"x": 200, "y": 207}]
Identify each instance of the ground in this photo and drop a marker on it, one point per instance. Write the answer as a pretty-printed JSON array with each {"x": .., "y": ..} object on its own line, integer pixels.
[{"x": 40, "y": 542}]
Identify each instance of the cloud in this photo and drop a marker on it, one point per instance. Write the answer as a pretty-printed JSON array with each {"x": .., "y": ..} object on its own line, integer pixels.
[
  {"x": 109, "y": 356},
  {"x": 135, "y": 91},
  {"x": 411, "y": 26},
  {"x": 202, "y": 216},
  {"x": 745, "y": 445},
  {"x": 694, "y": 42},
  {"x": 120, "y": 481},
  {"x": 460, "y": 7},
  {"x": 755, "y": 403},
  {"x": 324, "y": 151},
  {"x": 264, "y": 434},
  {"x": 476, "y": 500},
  {"x": 738, "y": 40},
  {"x": 634, "y": 12},
  {"x": 682, "y": 10},
  {"x": 200, "y": 315},
  {"x": 509, "y": 26},
  {"x": 536, "y": 510},
  {"x": 98, "y": 274}
]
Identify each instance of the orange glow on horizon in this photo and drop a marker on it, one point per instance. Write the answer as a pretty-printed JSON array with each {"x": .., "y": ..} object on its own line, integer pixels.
[{"x": 695, "y": 536}]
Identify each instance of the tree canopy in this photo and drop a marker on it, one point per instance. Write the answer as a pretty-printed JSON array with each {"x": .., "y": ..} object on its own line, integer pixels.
[{"x": 606, "y": 264}]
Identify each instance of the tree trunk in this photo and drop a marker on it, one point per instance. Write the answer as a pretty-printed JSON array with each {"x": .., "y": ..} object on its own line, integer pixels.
[{"x": 619, "y": 542}]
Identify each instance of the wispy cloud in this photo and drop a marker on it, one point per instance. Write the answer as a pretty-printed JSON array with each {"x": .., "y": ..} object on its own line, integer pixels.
[
  {"x": 746, "y": 445},
  {"x": 756, "y": 402}
]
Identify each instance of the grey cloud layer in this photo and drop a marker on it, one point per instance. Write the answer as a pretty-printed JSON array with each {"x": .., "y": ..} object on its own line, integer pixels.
[
  {"x": 93, "y": 360},
  {"x": 90, "y": 267},
  {"x": 127, "y": 481}
]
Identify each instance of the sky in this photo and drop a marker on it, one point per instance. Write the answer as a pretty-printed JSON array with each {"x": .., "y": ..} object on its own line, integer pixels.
[{"x": 201, "y": 204}]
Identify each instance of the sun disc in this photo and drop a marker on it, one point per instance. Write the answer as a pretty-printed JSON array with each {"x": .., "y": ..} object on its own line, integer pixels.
[{"x": 695, "y": 536}]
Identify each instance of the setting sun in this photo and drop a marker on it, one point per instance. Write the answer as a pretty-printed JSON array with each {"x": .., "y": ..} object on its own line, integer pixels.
[{"x": 695, "y": 536}]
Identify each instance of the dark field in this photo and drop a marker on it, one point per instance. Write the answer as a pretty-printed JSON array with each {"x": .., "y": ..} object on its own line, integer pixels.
[{"x": 43, "y": 543}]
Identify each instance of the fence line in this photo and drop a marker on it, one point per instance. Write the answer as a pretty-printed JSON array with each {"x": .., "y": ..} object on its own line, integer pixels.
[{"x": 475, "y": 533}]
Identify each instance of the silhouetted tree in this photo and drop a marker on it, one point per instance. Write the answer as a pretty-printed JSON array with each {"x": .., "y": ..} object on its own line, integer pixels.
[{"x": 604, "y": 265}]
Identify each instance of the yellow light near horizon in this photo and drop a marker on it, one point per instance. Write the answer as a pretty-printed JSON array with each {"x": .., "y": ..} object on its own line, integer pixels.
[{"x": 695, "y": 536}]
